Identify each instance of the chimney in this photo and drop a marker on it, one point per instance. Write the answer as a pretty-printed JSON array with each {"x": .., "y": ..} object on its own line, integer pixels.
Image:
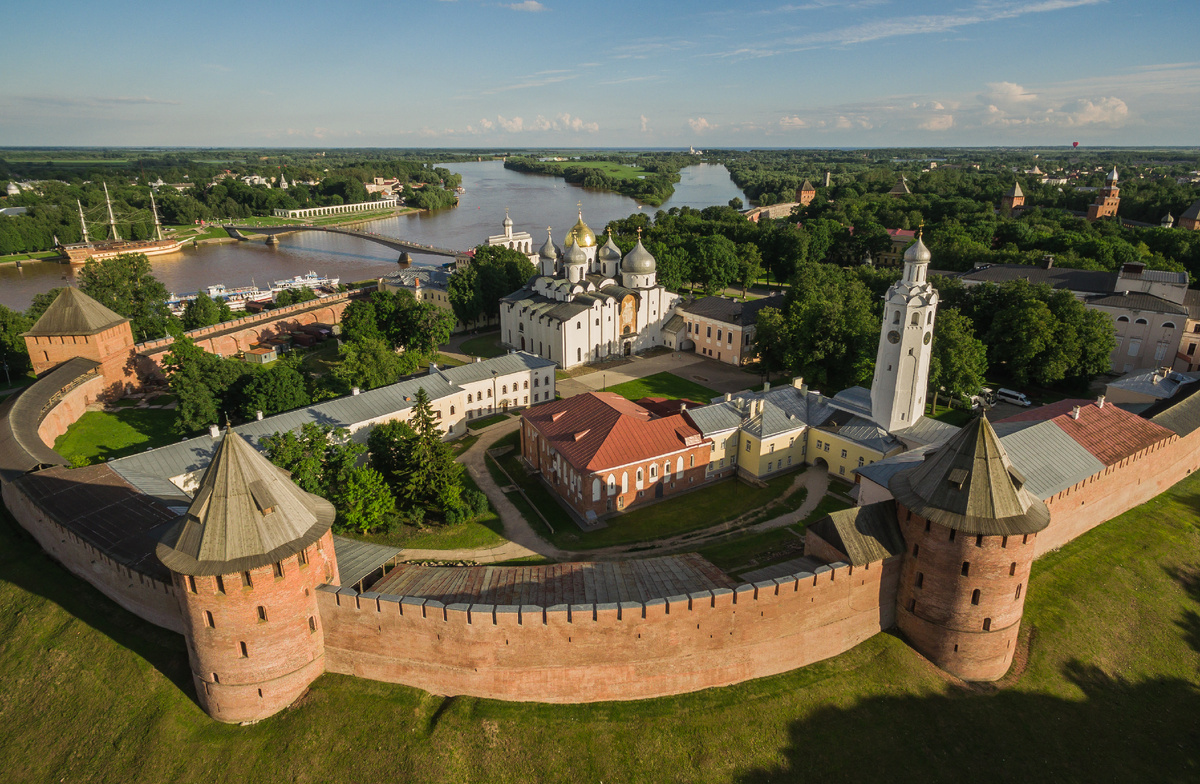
[
  {"x": 728, "y": 397},
  {"x": 355, "y": 390},
  {"x": 478, "y": 359},
  {"x": 214, "y": 431},
  {"x": 258, "y": 415},
  {"x": 767, "y": 386},
  {"x": 1075, "y": 412},
  {"x": 798, "y": 382},
  {"x": 1047, "y": 261},
  {"x": 1100, "y": 402}
]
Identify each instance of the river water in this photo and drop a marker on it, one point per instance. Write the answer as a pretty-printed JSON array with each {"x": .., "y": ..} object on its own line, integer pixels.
[{"x": 534, "y": 201}]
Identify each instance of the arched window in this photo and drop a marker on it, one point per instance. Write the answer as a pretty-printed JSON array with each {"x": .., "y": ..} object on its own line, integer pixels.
[
  {"x": 667, "y": 470},
  {"x": 596, "y": 489},
  {"x": 469, "y": 400},
  {"x": 929, "y": 318},
  {"x": 679, "y": 465},
  {"x": 975, "y": 596},
  {"x": 1018, "y": 596},
  {"x": 896, "y": 318},
  {"x": 916, "y": 319},
  {"x": 526, "y": 383},
  {"x": 1168, "y": 325},
  {"x": 521, "y": 327},
  {"x": 639, "y": 475},
  {"x": 1141, "y": 321},
  {"x": 624, "y": 481},
  {"x": 654, "y": 470},
  {"x": 489, "y": 393},
  {"x": 612, "y": 485},
  {"x": 451, "y": 410},
  {"x": 536, "y": 382},
  {"x": 1122, "y": 319},
  {"x": 504, "y": 389}
]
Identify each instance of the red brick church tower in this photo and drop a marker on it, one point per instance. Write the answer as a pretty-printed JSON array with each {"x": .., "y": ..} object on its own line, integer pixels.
[
  {"x": 1014, "y": 198},
  {"x": 1107, "y": 202},
  {"x": 969, "y": 527},
  {"x": 75, "y": 325},
  {"x": 247, "y": 559}
]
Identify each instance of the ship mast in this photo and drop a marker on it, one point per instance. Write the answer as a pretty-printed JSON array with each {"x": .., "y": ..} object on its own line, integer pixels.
[
  {"x": 112, "y": 222},
  {"x": 154, "y": 209},
  {"x": 82, "y": 222}
]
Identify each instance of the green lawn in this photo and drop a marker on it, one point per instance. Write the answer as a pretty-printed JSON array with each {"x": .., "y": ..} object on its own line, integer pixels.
[
  {"x": 1111, "y": 692},
  {"x": 321, "y": 359},
  {"x": 764, "y": 548},
  {"x": 480, "y": 424},
  {"x": 42, "y": 254},
  {"x": 666, "y": 385},
  {"x": 485, "y": 346},
  {"x": 98, "y": 435},
  {"x": 615, "y": 170}
]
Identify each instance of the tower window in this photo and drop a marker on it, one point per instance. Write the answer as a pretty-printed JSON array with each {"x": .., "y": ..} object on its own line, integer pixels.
[
  {"x": 975, "y": 596},
  {"x": 916, "y": 550},
  {"x": 987, "y": 624},
  {"x": 277, "y": 567},
  {"x": 927, "y": 526},
  {"x": 220, "y": 584},
  {"x": 312, "y": 624},
  {"x": 966, "y": 568},
  {"x": 912, "y": 605},
  {"x": 952, "y": 533},
  {"x": 247, "y": 581},
  {"x": 191, "y": 584},
  {"x": 208, "y": 620},
  {"x": 1004, "y": 541},
  {"x": 920, "y": 579},
  {"x": 262, "y": 613},
  {"x": 1018, "y": 596},
  {"x": 916, "y": 319},
  {"x": 302, "y": 557},
  {"x": 1025, "y": 539},
  {"x": 979, "y": 540},
  {"x": 245, "y": 653},
  {"x": 1012, "y": 569}
]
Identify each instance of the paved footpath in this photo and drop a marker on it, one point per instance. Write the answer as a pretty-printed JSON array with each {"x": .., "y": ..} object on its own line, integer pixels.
[{"x": 524, "y": 541}]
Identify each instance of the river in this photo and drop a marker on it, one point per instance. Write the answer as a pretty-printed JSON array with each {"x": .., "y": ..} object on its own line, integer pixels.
[{"x": 534, "y": 201}]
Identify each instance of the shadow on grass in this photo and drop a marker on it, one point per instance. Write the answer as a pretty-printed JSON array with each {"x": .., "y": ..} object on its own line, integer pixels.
[
  {"x": 1118, "y": 731},
  {"x": 1189, "y": 579},
  {"x": 24, "y": 564}
]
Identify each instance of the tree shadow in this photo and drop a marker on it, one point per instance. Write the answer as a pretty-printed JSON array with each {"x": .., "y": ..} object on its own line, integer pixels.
[
  {"x": 1118, "y": 731},
  {"x": 1189, "y": 578}
]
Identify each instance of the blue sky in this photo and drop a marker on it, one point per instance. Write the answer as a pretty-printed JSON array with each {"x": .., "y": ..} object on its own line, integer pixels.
[{"x": 467, "y": 73}]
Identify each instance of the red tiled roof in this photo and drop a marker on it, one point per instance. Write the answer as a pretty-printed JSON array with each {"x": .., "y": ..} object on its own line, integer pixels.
[
  {"x": 906, "y": 233},
  {"x": 1110, "y": 433},
  {"x": 600, "y": 430}
]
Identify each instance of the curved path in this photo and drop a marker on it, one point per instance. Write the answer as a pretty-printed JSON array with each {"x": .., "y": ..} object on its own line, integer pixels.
[
  {"x": 239, "y": 233},
  {"x": 524, "y": 541}
]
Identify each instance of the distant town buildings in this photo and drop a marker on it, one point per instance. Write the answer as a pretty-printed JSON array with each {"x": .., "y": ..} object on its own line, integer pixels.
[
  {"x": 1108, "y": 201},
  {"x": 519, "y": 240}
]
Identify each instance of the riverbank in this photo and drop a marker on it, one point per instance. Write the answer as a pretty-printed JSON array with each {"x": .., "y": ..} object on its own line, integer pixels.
[
  {"x": 645, "y": 186},
  {"x": 45, "y": 255}
]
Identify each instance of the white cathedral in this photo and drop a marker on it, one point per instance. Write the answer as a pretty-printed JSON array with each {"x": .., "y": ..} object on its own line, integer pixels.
[{"x": 586, "y": 303}]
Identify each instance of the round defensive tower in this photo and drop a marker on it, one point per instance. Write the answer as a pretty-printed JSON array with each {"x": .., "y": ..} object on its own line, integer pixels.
[
  {"x": 969, "y": 526},
  {"x": 246, "y": 559}
]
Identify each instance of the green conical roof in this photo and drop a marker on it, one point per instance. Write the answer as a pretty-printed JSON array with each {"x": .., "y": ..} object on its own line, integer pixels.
[
  {"x": 245, "y": 513},
  {"x": 969, "y": 484},
  {"x": 75, "y": 313}
]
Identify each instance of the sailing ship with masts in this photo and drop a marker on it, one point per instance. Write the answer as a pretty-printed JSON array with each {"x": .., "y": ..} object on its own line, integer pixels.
[{"x": 83, "y": 252}]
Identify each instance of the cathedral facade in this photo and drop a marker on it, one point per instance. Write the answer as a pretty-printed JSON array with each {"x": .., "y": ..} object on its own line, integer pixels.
[{"x": 587, "y": 303}]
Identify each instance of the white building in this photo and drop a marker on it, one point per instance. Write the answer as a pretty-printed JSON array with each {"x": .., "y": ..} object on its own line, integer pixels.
[
  {"x": 520, "y": 240},
  {"x": 587, "y": 304}
]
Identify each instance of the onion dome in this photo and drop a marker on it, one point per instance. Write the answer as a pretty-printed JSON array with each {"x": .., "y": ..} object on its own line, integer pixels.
[
  {"x": 1112, "y": 176},
  {"x": 508, "y": 222},
  {"x": 970, "y": 485},
  {"x": 610, "y": 251},
  {"x": 548, "y": 251},
  {"x": 918, "y": 253},
  {"x": 580, "y": 234},
  {"x": 639, "y": 261},
  {"x": 575, "y": 255}
]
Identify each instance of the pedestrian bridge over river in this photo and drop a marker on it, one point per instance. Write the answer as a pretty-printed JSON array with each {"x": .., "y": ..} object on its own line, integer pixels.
[{"x": 240, "y": 232}]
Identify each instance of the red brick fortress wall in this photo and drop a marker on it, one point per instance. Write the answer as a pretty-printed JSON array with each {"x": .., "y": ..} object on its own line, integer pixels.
[
  {"x": 255, "y": 639},
  {"x": 587, "y": 653}
]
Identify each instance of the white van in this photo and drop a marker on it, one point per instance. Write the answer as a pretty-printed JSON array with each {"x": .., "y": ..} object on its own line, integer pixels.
[{"x": 1012, "y": 396}]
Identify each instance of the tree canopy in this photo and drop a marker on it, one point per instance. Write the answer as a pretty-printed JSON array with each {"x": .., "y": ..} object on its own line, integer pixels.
[{"x": 125, "y": 285}]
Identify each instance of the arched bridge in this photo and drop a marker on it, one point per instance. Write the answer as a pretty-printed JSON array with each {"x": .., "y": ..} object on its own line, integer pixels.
[{"x": 239, "y": 233}]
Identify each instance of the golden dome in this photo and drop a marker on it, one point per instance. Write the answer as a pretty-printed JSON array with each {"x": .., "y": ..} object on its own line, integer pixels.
[{"x": 581, "y": 234}]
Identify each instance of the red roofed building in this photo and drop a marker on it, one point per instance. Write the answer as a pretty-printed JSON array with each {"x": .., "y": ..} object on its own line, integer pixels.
[
  {"x": 1110, "y": 433},
  {"x": 604, "y": 454},
  {"x": 901, "y": 239}
]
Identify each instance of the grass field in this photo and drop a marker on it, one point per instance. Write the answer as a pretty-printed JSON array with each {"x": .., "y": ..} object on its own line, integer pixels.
[
  {"x": 98, "y": 435},
  {"x": 615, "y": 170},
  {"x": 663, "y": 385},
  {"x": 38, "y": 255},
  {"x": 1110, "y": 693},
  {"x": 485, "y": 346}
]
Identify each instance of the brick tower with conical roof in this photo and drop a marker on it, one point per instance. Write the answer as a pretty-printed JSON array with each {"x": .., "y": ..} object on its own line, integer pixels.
[
  {"x": 246, "y": 560},
  {"x": 969, "y": 526},
  {"x": 1108, "y": 201},
  {"x": 75, "y": 325}
]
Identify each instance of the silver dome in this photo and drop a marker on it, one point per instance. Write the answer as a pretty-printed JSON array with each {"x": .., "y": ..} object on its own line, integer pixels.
[{"x": 639, "y": 261}]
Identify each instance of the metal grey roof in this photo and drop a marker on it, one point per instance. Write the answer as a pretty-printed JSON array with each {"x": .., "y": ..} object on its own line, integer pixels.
[
  {"x": 715, "y": 418},
  {"x": 75, "y": 313},
  {"x": 193, "y": 454},
  {"x": 731, "y": 311},
  {"x": 1154, "y": 383},
  {"x": 21, "y": 448},
  {"x": 358, "y": 560},
  {"x": 856, "y": 400},
  {"x": 429, "y": 276},
  {"x": 927, "y": 431},
  {"x": 1159, "y": 276},
  {"x": 1192, "y": 212},
  {"x": 970, "y": 484},
  {"x": 866, "y": 432},
  {"x": 674, "y": 324},
  {"x": 1136, "y": 300},
  {"x": 1086, "y": 281},
  {"x": 513, "y": 362},
  {"x": 618, "y": 292},
  {"x": 881, "y": 471},
  {"x": 1049, "y": 459},
  {"x": 866, "y": 534},
  {"x": 246, "y": 513},
  {"x": 1179, "y": 414}
]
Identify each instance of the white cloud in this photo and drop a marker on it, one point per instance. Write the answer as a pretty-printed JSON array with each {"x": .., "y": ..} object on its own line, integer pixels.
[
  {"x": 701, "y": 124},
  {"x": 645, "y": 123},
  {"x": 528, "y": 5},
  {"x": 939, "y": 122},
  {"x": 515, "y": 125},
  {"x": 792, "y": 122},
  {"x": 1103, "y": 111}
]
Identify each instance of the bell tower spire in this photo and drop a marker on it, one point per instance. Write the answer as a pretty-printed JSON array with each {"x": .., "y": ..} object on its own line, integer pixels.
[{"x": 905, "y": 344}]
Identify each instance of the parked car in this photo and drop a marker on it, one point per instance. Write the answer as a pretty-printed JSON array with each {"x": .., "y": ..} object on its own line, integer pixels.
[{"x": 1012, "y": 396}]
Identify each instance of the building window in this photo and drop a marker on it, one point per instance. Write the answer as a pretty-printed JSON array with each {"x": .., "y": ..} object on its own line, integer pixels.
[
  {"x": 1012, "y": 569},
  {"x": 818, "y": 443},
  {"x": 1141, "y": 321},
  {"x": 747, "y": 445},
  {"x": 469, "y": 400},
  {"x": 966, "y": 569},
  {"x": 208, "y": 620},
  {"x": 220, "y": 584},
  {"x": 277, "y": 567},
  {"x": 952, "y": 533},
  {"x": 975, "y": 596},
  {"x": 262, "y": 613},
  {"x": 842, "y": 470},
  {"x": 718, "y": 336},
  {"x": 709, "y": 332},
  {"x": 1018, "y": 595},
  {"x": 843, "y": 454},
  {"x": 860, "y": 462},
  {"x": 920, "y": 579},
  {"x": 191, "y": 584},
  {"x": 653, "y": 470},
  {"x": 916, "y": 550},
  {"x": 770, "y": 466},
  {"x": 247, "y": 582},
  {"x": 987, "y": 624},
  {"x": 912, "y": 605},
  {"x": 979, "y": 540},
  {"x": 245, "y": 652},
  {"x": 1004, "y": 543},
  {"x": 772, "y": 449},
  {"x": 451, "y": 410},
  {"x": 927, "y": 525}
]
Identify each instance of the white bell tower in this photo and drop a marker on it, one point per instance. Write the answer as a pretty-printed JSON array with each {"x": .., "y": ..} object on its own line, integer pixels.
[{"x": 905, "y": 345}]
